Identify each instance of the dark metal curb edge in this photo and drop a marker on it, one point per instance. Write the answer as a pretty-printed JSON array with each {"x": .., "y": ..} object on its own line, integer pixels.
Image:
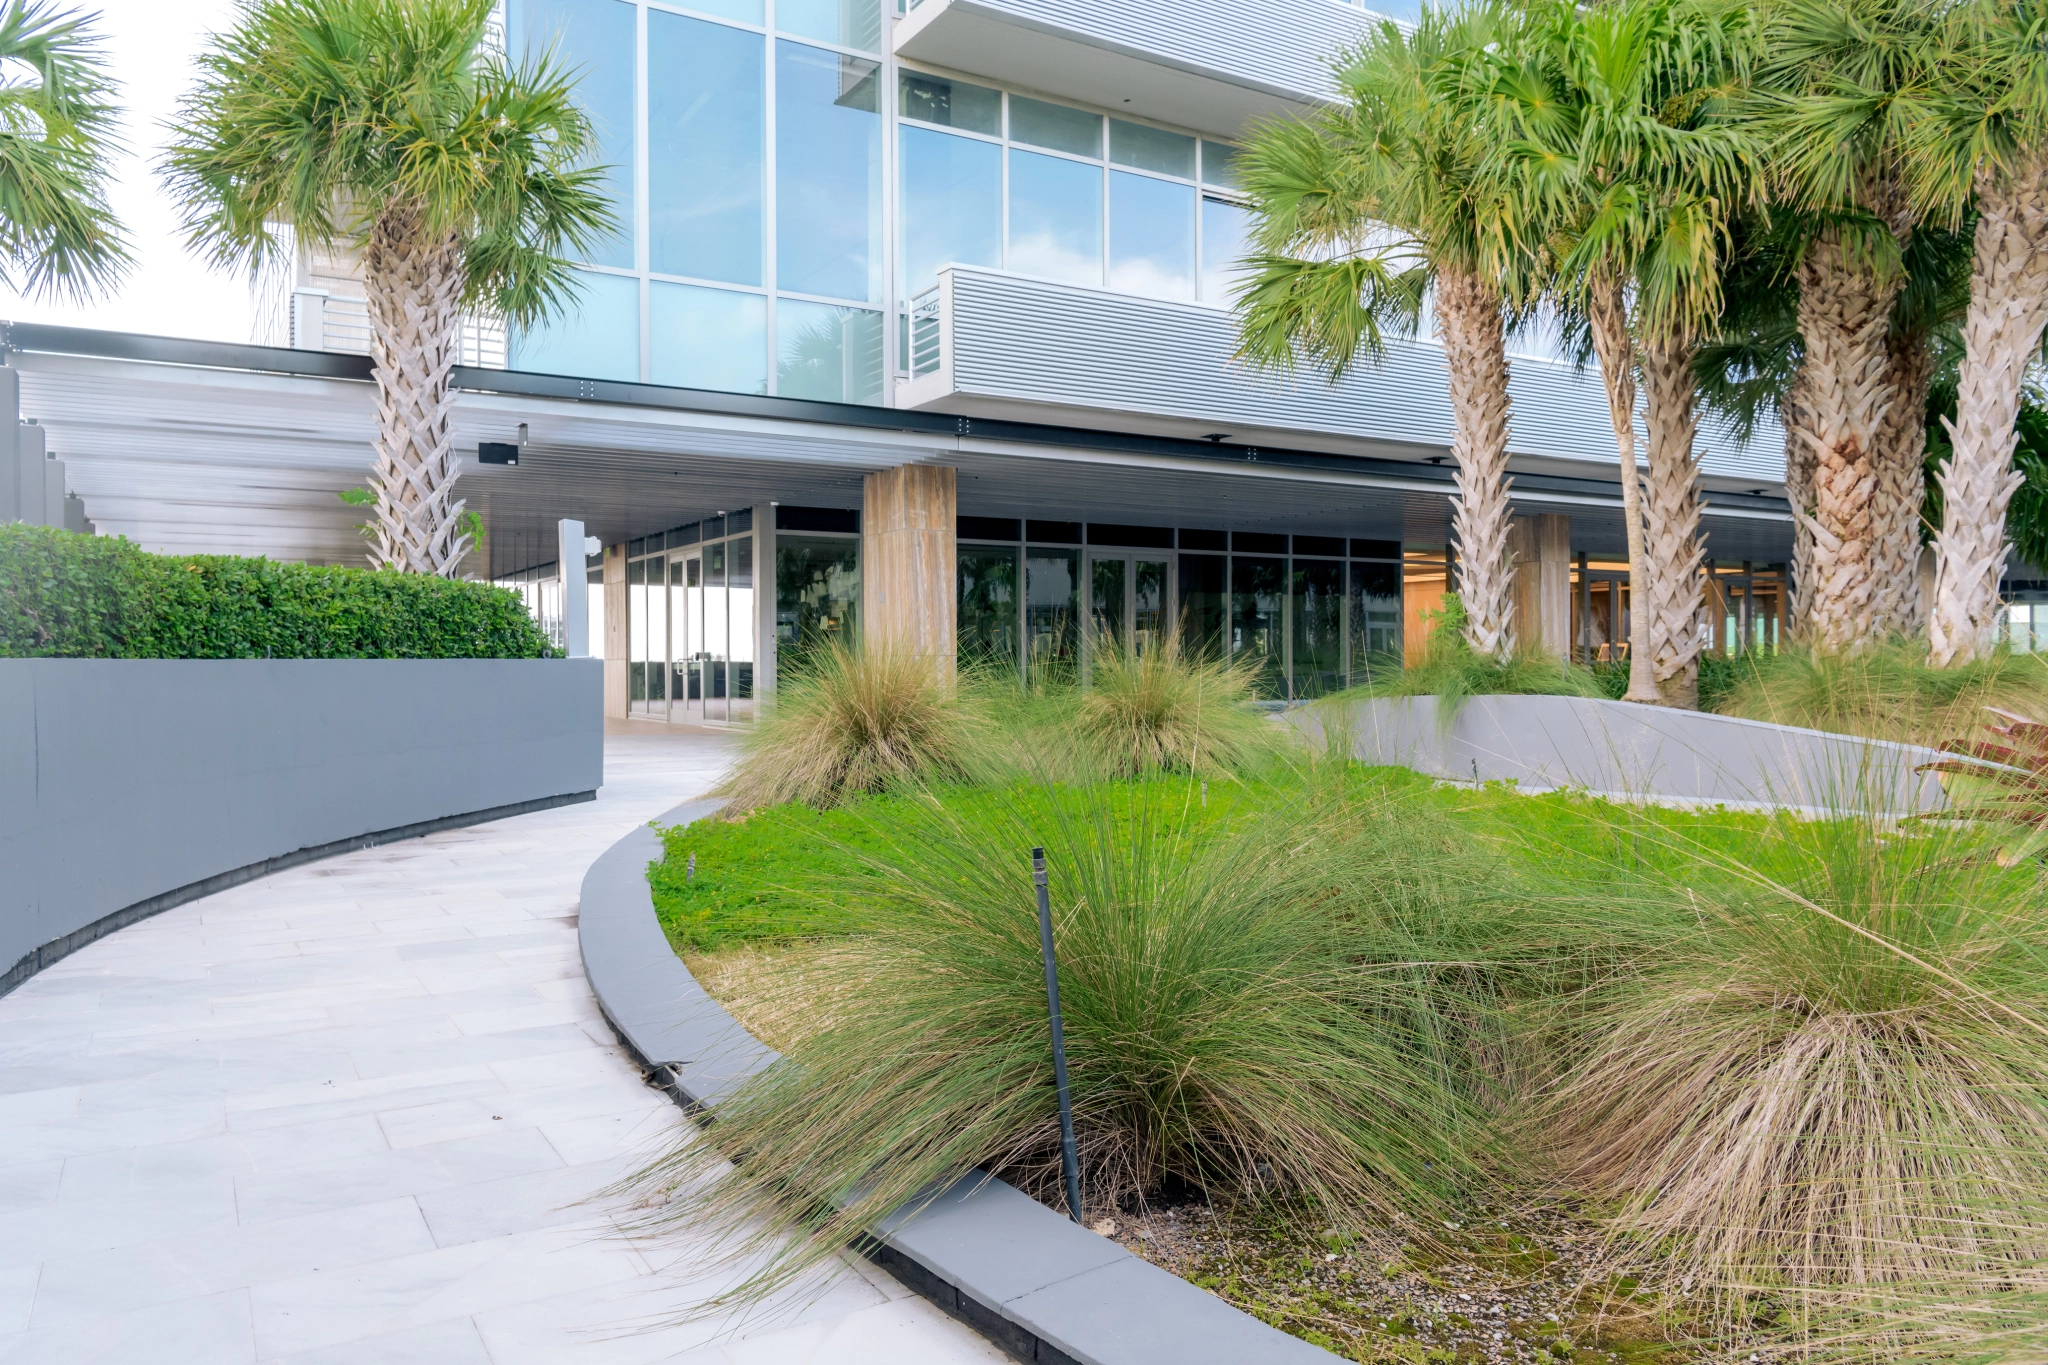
[{"x": 58, "y": 949}]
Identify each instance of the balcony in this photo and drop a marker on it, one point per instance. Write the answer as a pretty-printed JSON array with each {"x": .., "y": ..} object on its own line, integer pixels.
[
  {"x": 1195, "y": 63},
  {"x": 988, "y": 344},
  {"x": 322, "y": 320}
]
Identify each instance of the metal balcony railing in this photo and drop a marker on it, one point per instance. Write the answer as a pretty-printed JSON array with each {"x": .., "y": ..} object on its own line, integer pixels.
[
  {"x": 925, "y": 351},
  {"x": 334, "y": 322}
]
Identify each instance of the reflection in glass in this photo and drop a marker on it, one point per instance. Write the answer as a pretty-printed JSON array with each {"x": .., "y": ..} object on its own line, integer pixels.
[
  {"x": 949, "y": 103},
  {"x": 678, "y": 635},
  {"x": 636, "y": 633},
  {"x": 713, "y": 603},
  {"x": 595, "y": 40},
  {"x": 1151, "y": 149},
  {"x": 746, "y": 11},
  {"x": 828, "y": 174},
  {"x": 1151, "y": 236},
  {"x": 1223, "y": 247},
  {"x": 849, "y": 23},
  {"x": 1148, "y": 605},
  {"x": 817, "y": 597},
  {"x": 1055, "y": 218},
  {"x": 1317, "y": 614},
  {"x": 1375, "y": 620},
  {"x": 707, "y": 150},
  {"x": 952, "y": 204},
  {"x": 1219, "y": 164},
  {"x": 657, "y": 635},
  {"x": 740, "y": 618},
  {"x": 597, "y": 337},
  {"x": 708, "y": 338},
  {"x": 1107, "y": 582},
  {"x": 1257, "y": 602},
  {"x": 1055, "y": 126},
  {"x": 1203, "y": 602},
  {"x": 987, "y": 628},
  {"x": 829, "y": 353},
  {"x": 1050, "y": 583}
]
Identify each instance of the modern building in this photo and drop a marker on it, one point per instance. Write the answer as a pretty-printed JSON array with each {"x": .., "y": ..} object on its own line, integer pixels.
[{"x": 916, "y": 326}]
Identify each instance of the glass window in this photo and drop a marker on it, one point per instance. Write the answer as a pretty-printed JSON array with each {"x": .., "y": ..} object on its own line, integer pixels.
[
  {"x": 1375, "y": 619},
  {"x": 746, "y": 11},
  {"x": 849, "y": 23},
  {"x": 817, "y": 596},
  {"x": 1050, "y": 580},
  {"x": 987, "y": 629},
  {"x": 707, "y": 338},
  {"x": 1151, "y": 236},
  {"x": 1257, "y": 604},
  {"x": 952, "y": 205},
  {"x": 1055, "y": 126},
  {"x": 594, "y": 41},
  {"x": 949, "y": 103},
  {"x": 707, "y": 149},
  {"x": 1055, "y": 218},
  {"x": 829, "y": 353},
  {"x": 1202, "y": 605},
  {"x": 597, "y": 336},
  {"x": 1219, "y": 164},
  {"x": 828, "y": 174},
  {"x": 1151, "y": 149},
  {"x": 1223, "y": 248},
  {"x": 1318, "y": 626}
]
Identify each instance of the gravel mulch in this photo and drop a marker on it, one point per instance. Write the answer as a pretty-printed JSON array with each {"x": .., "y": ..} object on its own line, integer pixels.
[{"x": 1514, "y": 1288}]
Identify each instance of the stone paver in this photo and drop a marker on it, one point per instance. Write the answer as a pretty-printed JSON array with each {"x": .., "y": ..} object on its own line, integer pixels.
[{"x": 362, "y": 1111}]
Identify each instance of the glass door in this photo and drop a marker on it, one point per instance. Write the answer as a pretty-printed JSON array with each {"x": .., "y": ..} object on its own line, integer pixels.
[
  {"x": 715, "y": 643},
  {"x": 657, "y": 637},
  {"x": 693, "y": 646},
  {"x": 678, "y": 640},
  {"x": 1127, "y": 602}
]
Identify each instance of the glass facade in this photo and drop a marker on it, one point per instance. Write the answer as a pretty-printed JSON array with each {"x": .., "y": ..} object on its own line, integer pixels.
[
  {"x": 817, "y": 596},
  {"x": 784, "y": 189}
]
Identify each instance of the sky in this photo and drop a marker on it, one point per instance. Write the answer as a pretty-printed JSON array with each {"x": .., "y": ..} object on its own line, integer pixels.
[{"x": 169, "y": 292}]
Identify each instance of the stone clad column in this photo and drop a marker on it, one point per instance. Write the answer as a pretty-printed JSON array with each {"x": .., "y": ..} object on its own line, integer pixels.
[
  {"x": 1542, "y": 547},
  {"x": 907, "y": 560},
  {"x": 615, "y": 634}
]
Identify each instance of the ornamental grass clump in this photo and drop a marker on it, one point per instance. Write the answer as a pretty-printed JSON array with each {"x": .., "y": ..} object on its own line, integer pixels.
[
  {"x": 1251, "y": 1008},
  {"x": 1819, "y": 1091},
  {"x": 1167, "y": 710},
  {"x": 1451, "y": 670},
  {"x": 1884, "y": 691},
  {"x": 852, "y": 723}
]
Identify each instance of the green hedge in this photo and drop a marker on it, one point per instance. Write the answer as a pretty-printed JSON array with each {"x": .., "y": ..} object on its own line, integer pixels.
[{"x": 65, "y": 595}]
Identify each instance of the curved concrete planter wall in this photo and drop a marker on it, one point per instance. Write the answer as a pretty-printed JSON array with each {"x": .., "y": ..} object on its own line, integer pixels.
[
  {"x": 1633, "y": 752},
  {"x": 1029, "y": 1279},
  {"x": 128, "y": 786}
]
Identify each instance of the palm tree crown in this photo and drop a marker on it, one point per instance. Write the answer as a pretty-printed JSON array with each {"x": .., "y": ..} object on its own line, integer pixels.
[
  {"x": 57, "y": 233},
  {"x": 385, "y": 128}
]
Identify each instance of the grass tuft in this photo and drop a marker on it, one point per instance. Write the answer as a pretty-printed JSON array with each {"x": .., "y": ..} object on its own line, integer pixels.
[
  {"x": 1821, "y": 1076},
  {"x": 853, "y": 723},
  {"x": 1885, "y": 691},
  {"x": 1166, "y": 710},
  {"x": 1259, "y": 1007}
]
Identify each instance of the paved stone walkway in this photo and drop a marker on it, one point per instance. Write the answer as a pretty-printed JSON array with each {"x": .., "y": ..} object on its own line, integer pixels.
[{"x": 357, "y": 1112}]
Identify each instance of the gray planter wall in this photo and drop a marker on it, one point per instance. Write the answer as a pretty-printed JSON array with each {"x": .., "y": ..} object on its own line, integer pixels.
[
  {"x": 1635, "y": 752},
  {"x": 124, "y": 782}
]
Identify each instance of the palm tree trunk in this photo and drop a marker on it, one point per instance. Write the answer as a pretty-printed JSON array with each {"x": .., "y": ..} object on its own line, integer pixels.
[
  {"x": 414, "y": 288},
  {"x": 1673, "y": 548},
  {"x": 1607, "y": 312},
  {"x": 1844, "y": 317},
  {"x": 1901, "y": 483},
  {"x": 1475, "y": 355},
  {"x": 2001, "y": 334},
  {"x": 1796, "y": 416}
]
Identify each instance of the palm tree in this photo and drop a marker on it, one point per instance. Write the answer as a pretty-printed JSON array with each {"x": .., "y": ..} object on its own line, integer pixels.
[
  {"x": 1830, "y": 100},
  {"x": 1605, "y": 121},
  {"x": 1361, "y": 212},
  {"x": 1977, "y": 137},
  {"x": 383, "y": 128},
  {"x": 57, "y": 233}
]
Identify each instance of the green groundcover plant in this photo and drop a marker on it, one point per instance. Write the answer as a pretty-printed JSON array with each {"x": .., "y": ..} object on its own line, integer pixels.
[{"x": 64, "y": 595}]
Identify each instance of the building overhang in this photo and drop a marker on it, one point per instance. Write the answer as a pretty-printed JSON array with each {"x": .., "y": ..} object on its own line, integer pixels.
[{"x": 204, "y": 447}]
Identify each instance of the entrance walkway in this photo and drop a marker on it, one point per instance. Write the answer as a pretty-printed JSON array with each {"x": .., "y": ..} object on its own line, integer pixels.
[{"x": 353, "y": 1112}]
